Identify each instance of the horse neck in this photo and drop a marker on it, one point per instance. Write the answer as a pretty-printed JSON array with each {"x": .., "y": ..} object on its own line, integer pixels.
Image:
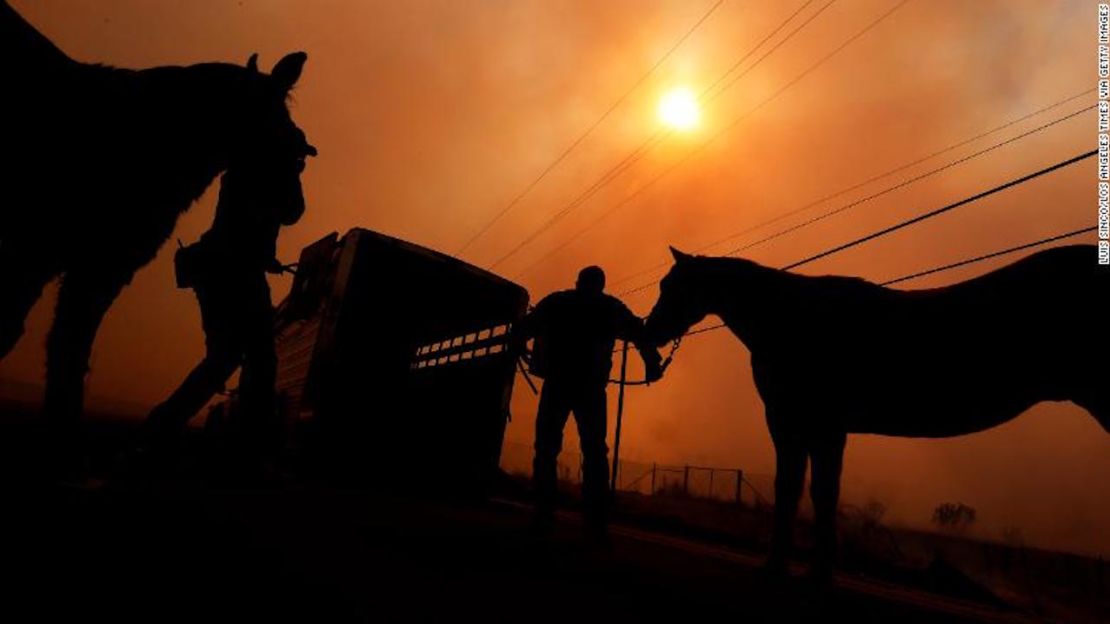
[
  {"x": 35, "y": 52},
  {"x": 170, "y": 127},
  {"x": 747, "y": 296},
  {"x": 193, "y": 105}
]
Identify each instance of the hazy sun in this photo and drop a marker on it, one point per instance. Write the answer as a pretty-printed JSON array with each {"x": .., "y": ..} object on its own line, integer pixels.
[{"x": 679, "y": 109}]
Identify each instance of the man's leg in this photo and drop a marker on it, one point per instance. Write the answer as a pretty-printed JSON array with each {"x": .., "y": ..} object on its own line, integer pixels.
[
  {"x": 198, "y": 388},
  {"x": 551, "y": 418},
  {"x": 590, "y": 416},
  {"x": 261, "y": 426},
  {"x": 222, "y": 356}
]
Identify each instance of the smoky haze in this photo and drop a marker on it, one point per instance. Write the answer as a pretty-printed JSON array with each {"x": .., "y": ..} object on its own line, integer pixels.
[{"x": 431, "y": 116}]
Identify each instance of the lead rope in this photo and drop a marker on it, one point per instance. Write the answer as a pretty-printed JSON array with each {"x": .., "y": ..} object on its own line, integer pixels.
[
  {"x": 521, "y": 364},
  {"x": 663, "y": 367}
]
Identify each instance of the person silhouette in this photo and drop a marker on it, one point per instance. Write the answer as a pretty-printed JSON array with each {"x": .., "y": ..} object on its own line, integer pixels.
[
  {"x": 574, "y": 333},
  {"x": 227, "y": 270}
]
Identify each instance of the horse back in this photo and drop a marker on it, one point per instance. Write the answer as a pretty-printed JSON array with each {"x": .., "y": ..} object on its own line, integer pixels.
[
  {"x": 1034, "y": 317},
  {"x": 949, "y": 360},
  {"x": 1066, "y": 271}
]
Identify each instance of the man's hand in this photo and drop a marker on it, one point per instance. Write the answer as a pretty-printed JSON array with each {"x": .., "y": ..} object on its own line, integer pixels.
[{"x": 518, "y": 347}]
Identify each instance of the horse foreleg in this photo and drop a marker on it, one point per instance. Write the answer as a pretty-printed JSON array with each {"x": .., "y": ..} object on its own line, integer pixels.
[
  {"x": 25, "y": 277},
  {"x": 790, "y": 469},
  {"x": 83, "y": 299},
  {"x": 827, "y": 454}
]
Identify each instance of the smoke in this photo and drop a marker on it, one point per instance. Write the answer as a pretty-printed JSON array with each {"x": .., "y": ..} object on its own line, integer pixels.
[{"x": 432, "y": 116}]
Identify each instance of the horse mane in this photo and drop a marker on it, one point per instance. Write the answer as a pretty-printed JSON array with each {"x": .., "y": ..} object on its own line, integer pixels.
[
  {"x": 743, "y": 268},
  {"x": 165, "y": 127},
  {"x": 1043, "y": 267}
]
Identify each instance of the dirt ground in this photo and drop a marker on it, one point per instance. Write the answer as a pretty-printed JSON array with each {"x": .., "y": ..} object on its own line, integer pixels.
[
  {"x": 185, "y": 550},
  {"x": 127, "y": 547}
]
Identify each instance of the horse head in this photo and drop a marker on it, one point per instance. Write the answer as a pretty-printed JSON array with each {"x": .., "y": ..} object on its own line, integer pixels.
[
  {"x": 681, "y": 303},
  {"x": 268, "y": 150}
]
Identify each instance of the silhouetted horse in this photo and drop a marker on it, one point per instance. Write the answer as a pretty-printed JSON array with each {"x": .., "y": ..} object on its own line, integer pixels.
[
  {"x": 101, "y": 162},
  {"x": 839, "y": 355}
]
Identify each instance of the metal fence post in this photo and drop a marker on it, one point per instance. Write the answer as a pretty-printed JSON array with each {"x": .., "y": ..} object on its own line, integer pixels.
[
  {"x": 686, "y": 480},
  {"x": 653, "y": 478},
  {"x": 620, "y": 416},
  {"x": 712, "y": 471},
  {"x": 739, "y": 486}
]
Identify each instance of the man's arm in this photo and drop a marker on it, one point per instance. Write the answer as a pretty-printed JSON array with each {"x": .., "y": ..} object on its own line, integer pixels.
[
  {"x": 631, "y": 328},
  {"x": 526, "y": 328}
]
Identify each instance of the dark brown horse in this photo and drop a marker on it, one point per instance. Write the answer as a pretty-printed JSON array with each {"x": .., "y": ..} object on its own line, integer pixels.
[
  {"x": 101, "y": 162},
  {"x": 839, "y": 355}
]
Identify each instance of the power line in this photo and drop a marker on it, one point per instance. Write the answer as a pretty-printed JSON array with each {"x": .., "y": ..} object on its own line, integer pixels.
[
  {"x": 862, "y": 200},
  {"x": 740, "y": 61},
  {"x": 577, "y": 235},
  {"x": 995, "y": 254},
  {"x": 875, "y": 178},
  {"x": 777, "y": 45},
  {"x": 938, "y": 211},
  {"x": 583, "y": 197},
  {"x": 704, "y": 97},
  {"x": 582, "y": 137},
  {"x": 657, "y": 137},
  {"x": 947, "y": 267},
  {"x": 640, "y": 151},
  {"x": 919, "y": 161},
  {"x": 735, "y": 122},
  {"x": 907, "y": 182},
  {"x": 942, "y": 210}
]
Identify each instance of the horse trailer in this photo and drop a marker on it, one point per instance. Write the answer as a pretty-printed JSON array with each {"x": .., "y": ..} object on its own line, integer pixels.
[{"x": 394, "y": 362}]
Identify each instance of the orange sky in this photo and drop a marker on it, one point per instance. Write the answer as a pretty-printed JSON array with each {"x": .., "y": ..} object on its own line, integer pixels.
[{"x": 431, "y": 116}]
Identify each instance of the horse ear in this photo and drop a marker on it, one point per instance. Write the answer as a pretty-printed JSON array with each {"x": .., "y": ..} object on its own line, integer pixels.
[
  {"x": 288, "y": 70},
  {"x": 679, "y": 256},
  {"x": 252, "y": 62}
]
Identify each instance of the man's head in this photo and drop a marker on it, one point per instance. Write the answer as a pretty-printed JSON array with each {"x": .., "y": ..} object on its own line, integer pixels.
[{"x": 591, "y": 280}]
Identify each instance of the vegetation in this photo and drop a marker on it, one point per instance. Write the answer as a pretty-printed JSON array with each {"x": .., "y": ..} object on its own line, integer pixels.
[{"x": 954, "y": 517}]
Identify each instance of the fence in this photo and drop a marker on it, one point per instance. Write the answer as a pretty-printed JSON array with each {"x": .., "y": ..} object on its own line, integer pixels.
[{"x": 652, "y": 479}]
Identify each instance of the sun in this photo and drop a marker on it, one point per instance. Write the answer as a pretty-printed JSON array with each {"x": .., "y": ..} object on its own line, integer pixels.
[{"x": 678, "y": 109}]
